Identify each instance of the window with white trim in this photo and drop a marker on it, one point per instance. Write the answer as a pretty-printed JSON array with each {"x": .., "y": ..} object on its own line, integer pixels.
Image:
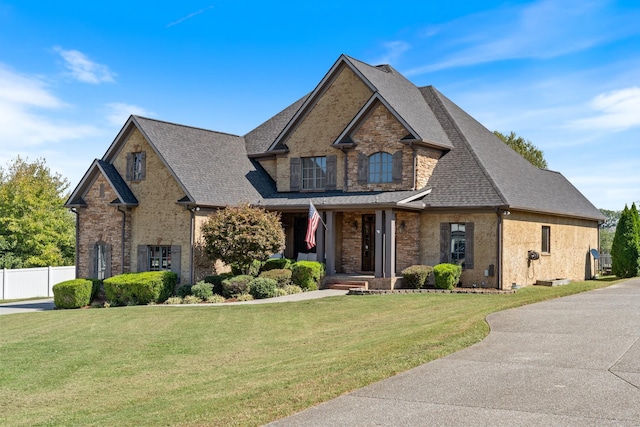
[
  {"x": 314, "y": 173},
  {"x": 546, "y": 239}
]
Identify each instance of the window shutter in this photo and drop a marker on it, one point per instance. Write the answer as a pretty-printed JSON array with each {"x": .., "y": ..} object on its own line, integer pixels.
[
  {"x": 176, "y": 256},
  {"x": 468, "y": 241},
  {"x": 295, "y": 173},
  {"x": 397, "y": 166},
  {"x": 143, "y": 258},
  {"x": 107, "y": 256},
  {"x": 332, "y": 173},
  {"x": 363, "y": 169},
  {"x": 445, "y": 241},
  {"x": 143, "y": 165},
  {"x": 129, "y": 166},
  {"x": 92, "y": 262}
]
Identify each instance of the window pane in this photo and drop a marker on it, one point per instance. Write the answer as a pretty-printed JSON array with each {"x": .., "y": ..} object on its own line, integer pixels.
[
  {"x": 546, "y": 239},
  {"x": 457, "y": 243},
  {"x": 380, "y": 167},
  {"x": 314, "y": 172}
]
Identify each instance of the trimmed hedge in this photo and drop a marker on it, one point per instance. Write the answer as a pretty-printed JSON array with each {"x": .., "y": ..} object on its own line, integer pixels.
[
  {"x": 276, "y": 264},
  {"x": 307, "y": 274},
  {"x": 447, "y": 275},
  {"x": 416, "y": 276},
  {"x": 280, "y": 275},
  {"x": 236, "y": 285},
  {"x": 140, "y": 288},
  {"x": 74, "y": 293},
  {"x": 261, "y": 288},
  {"x": 252, "y": 269}
]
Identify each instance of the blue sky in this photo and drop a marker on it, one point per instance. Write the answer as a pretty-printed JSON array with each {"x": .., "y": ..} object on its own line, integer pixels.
[{"x": 562, "y": 74}]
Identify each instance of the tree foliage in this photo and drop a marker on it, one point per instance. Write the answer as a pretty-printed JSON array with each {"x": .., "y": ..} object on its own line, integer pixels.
[
  {"x": 240, "y": 235},
  {"x": 625, "y": 249},
  {"x": 35, "y": 228},
  {"x": 608, "y": 229},
  {"x": 525, "y": 148}
]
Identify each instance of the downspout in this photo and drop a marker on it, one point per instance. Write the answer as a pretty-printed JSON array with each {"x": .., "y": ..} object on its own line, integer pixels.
[
  {"x": 77, "y": 258},
  {"x": 124, "y": 220},
  {"x": 415, "y": 166},
  {"x": 191, "y": 240},
  {"x": 346, "y": 168},
  {"x": 499, "y": 250}
]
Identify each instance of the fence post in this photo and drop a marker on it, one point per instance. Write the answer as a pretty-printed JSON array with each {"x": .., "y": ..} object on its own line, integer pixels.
[
  {"x": 4, "y": 281},
  {"x": 49, "y": 274}
]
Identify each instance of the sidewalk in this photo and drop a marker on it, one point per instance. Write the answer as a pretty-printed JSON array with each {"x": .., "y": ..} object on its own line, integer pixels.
[
  {"x": 27, "y": 306},
  {"x": 572, "y": 361}
]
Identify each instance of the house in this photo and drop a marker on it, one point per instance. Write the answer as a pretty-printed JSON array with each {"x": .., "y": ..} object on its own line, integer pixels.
[{"x": 400, "y": 174}]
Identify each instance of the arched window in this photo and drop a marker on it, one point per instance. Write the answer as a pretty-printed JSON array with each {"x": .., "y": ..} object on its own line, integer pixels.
[{"x": 380, "y": 167}]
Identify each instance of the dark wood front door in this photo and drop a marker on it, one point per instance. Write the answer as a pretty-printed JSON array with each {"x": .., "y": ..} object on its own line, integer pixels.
[
  {"x": 299, "y": 233},
  {"x": 368, "y": 242}
]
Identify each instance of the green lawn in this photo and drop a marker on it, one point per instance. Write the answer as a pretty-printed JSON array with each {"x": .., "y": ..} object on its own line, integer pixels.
[{"x": 233, "y": 365}]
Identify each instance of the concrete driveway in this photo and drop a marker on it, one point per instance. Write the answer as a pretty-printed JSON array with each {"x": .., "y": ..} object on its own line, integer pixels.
[{"x": 572, "y": 361}]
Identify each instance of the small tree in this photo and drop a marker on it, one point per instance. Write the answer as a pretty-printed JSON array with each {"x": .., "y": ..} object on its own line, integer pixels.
[
  {"x": 625, "y": 249},
  {"x": 240, "y": 235}
]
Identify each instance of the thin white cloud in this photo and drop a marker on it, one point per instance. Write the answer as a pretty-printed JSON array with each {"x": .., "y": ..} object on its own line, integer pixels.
[
  {"x": 542, "y": 29},
  {"x": 25, "y": 102},
  {"x": 83, "y": 69},
  {"x": 189, "y": 16},
  {"x": 619, "y": 110},
  {"x": 394, "y": 51},
  {"x": 119, "y": 112}
]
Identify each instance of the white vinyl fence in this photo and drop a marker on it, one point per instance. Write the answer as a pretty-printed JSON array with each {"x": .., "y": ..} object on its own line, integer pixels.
[{"x": 33, "y": 282}]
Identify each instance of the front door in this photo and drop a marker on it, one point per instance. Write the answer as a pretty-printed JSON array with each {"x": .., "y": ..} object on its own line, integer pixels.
[{"x": 368, "y": 242}]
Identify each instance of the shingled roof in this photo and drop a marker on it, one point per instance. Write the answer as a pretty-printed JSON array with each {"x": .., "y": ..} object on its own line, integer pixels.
[{"x": 476, "y": 170}]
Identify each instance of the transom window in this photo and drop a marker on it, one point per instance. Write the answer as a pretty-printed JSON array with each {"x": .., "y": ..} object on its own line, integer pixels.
[
  {"x": 380, "y": 167},
  {"x": 546, "y": 239},
  {"x": 314, "y": 173},
  {"x": 458, "y": 243},
  {"x": 159, "y": 258}
]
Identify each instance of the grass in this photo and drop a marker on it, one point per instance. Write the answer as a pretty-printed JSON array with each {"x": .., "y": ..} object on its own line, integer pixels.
[{"x": 235, "y": 365}]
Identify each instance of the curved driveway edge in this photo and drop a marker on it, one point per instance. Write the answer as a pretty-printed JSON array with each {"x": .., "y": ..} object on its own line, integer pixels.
[{"x": 571, "y": 361}]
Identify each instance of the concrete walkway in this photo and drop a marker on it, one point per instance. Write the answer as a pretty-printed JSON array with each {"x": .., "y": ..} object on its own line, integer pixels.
[{"x": 572, "y": 361}]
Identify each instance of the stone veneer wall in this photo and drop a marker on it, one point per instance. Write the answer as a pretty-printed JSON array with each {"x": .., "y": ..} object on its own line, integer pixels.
[
  {"x": 340, "y": 103},
  {"x": 407, "y": 240},
  {"x": 352, "y": 242},
  {"x": 100, "y": 222},
  {"x": 571, "y": 240},
  {"x": 158, "y": 219},
  {"x": 426, "y": 161},
  {"x": 380, "y": 132}
]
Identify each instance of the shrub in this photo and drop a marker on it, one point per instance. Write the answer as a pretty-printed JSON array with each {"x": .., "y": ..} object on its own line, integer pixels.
[
  {"x": 173, "y": 300},
  {"x": 183, "y": 291},
  {"x": 202, "y": 290},
  {"x": 261, "y": 288},
  {"x": 292, "y": 289},
  {"x": 72, "y": 293},
  {"x": 215, "y": 299},
  {"x": 140, "y": 288},
  {"x": 447, "y": 275},
  {"x": 235, "y": 285},
  {"x": 307, "y": 274},
  {"x": 416, "y": 276},
  {"x": 280, "y": 292},
  {"x": 252, "y": 269},
  {"x": 276, "y": 264},
  {"x": 216, "y": 281},
  {"x": 191, "y": 299},
  {"x": 280, "y": 275},
  {"x": 244, "y": 297}
]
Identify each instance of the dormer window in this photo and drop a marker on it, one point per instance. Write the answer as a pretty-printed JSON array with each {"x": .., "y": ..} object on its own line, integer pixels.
[
  {"x": 380, "y": 167},
  {"x": 314, "y": 173}
]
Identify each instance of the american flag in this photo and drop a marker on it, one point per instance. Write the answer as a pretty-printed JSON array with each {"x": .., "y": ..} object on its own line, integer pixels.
[{"x": 312, "y": 226}]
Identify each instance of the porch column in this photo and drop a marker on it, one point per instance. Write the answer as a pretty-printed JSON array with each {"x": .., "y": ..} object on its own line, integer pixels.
[
  {"x": 379, "y": 244},
  {"x": 320, "y": 240},
  {"x": 330, "y": 244},
  {"x": 390, "y": 244}
]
